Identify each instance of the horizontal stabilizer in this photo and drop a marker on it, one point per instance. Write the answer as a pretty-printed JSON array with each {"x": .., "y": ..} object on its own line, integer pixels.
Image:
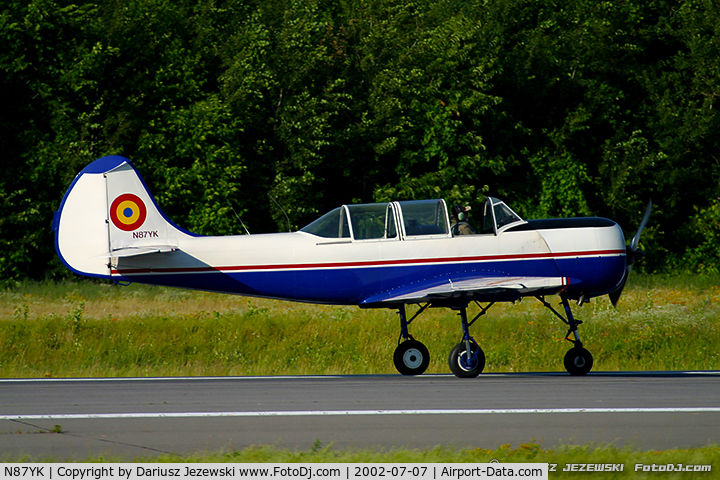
[{"x": 143, "y": 250}]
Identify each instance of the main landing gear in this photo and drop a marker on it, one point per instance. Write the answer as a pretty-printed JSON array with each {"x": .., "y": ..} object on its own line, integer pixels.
[
  {"x": 411, "y": 357},
  {"x": 577, "y": 361},
  {"x": 467, "y": 359}
]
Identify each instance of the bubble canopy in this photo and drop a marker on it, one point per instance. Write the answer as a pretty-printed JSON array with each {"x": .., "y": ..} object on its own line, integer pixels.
[
  {"x": 407, "y": 219},
  {"x": 378, "y": 221}
]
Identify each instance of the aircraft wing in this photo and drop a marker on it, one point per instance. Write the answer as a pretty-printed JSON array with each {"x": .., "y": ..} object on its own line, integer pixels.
[{"x": 485, "y": 288}]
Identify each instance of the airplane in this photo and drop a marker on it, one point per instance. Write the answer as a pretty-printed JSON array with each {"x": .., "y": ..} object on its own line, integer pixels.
[{"x": 379, "y": 255}]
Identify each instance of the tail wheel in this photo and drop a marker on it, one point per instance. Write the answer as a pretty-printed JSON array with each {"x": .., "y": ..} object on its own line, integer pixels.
[
  {"x": 578, "y": 361},
  {"x": 411, "y": 358},
  {"x": 461, "y": 366}
]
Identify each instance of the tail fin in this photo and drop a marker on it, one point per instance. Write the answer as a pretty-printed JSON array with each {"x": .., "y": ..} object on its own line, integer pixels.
[{"x": 108, "y": 213}]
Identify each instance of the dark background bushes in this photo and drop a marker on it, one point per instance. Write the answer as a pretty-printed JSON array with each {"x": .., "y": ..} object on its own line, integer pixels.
[{"x": 239, "y": 108}]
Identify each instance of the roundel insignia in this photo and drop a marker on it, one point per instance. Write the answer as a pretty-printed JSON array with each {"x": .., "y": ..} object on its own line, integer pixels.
[{"x": 128, "y": 212}]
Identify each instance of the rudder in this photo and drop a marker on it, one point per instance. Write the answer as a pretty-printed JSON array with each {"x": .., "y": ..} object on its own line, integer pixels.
[{"x": 109, "y": 213}]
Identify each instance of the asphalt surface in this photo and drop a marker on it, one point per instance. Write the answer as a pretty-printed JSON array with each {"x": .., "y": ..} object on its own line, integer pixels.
[{"x": 138, "y": 417}]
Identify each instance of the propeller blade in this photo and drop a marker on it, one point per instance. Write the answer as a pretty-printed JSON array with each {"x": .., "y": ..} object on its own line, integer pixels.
[
  {"x": 636, "y": 239},
  {"x": 633, "y": 253}
]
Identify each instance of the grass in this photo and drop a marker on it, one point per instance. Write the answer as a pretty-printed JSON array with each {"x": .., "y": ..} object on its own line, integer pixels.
[{"x": 89, "y": 329}]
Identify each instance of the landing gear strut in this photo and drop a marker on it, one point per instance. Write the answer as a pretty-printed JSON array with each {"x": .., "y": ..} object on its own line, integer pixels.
[
  {"x": 577, "y": 361},
  {"x": 411, "y": 356},
  {"x": 467, "y": 359}
]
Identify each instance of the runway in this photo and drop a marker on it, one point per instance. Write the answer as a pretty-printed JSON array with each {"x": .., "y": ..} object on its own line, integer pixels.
[{"x": 146, "y": 416}]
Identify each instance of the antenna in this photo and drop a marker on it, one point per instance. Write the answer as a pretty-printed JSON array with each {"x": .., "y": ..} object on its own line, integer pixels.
[
  {"x": 283, "y": 210},
  {"x": 238, "y": 216}
]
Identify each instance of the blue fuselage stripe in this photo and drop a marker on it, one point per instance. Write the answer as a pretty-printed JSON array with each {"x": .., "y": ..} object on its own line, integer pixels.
[{"x": 351, "y": 285}]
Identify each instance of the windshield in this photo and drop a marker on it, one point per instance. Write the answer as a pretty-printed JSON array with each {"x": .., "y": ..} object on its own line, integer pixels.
[
  {"x": 504, "y": 216},
  {"x": 497, "y": 215}
]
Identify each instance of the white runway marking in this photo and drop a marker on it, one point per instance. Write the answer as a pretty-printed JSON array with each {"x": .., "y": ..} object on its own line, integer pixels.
[{"x": 320, "y": 413}]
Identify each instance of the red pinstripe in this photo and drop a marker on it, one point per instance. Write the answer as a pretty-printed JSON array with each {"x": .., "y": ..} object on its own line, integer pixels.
[{"x": 375, "y": 263}]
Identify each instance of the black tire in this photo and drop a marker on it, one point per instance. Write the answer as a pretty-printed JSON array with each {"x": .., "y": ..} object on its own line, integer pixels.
[
  {"x": 411, "y": 358},
  {"x": 457, "y": 361},
  {"x": 578, "y": 361}
]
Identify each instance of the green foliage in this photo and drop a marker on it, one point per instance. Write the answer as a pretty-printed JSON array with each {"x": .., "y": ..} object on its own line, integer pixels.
[
  {"x": 276, "y": 111},
  {"x": 704, "y": 255}
]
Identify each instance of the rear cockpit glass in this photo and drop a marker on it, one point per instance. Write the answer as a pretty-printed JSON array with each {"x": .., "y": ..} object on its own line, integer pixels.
[
  {"x": 377, "y": 221},
  {"x": 424, "y": 217},
  {"x": 372, "y": 221},
  {"x": 331, "y": 225}
]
